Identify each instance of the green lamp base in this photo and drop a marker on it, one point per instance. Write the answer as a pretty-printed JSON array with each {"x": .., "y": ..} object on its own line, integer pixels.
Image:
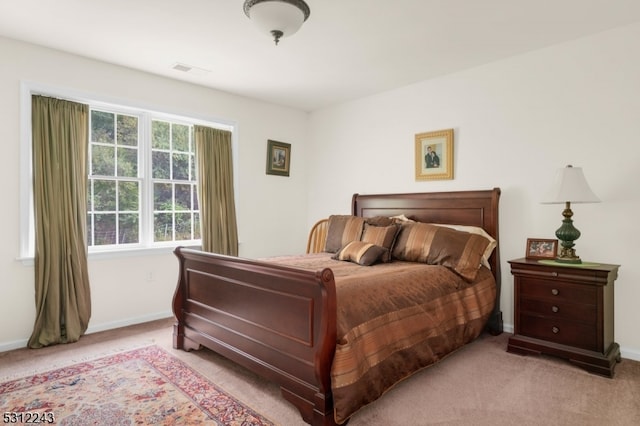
[
  {"x": 572, "y": 260},
  {"x": 567, "y": 234}
]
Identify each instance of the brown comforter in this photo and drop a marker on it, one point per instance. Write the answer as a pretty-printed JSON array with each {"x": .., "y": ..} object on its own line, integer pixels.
[{"x": 395, "y": 319}]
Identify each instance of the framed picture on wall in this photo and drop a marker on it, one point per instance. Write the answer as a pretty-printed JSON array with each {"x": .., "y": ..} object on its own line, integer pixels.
[
  {"x": 278, "y": 158},
  {"x": 541, "y": 249},
  {"x": 434, "y": 155}
]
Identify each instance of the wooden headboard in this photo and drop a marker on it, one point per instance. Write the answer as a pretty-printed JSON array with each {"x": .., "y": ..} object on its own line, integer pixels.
[{"x": 474, "y": 208}]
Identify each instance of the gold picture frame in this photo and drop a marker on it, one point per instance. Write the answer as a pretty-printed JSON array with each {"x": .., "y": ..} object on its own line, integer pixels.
[
  {"x": 540, "y": 248},
  {"x": 278, "y": 158},
  {"x": 434, "y": 155}
]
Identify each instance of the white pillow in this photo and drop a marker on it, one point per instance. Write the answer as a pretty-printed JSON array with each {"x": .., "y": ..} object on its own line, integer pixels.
[
  {"x": 401, "y": 219},
  {"x": 478, "y": 231}
]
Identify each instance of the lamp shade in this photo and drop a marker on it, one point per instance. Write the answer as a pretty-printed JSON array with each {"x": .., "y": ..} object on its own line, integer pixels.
[
  {"x": 570, "y": 186},
  {"x": 277, "y": 18}
]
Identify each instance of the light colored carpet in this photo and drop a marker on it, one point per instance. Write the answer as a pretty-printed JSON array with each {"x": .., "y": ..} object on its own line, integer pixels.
[{"x": 481, "y": 384}]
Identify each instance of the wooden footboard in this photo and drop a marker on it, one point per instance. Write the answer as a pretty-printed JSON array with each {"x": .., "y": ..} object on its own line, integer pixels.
[{"x": 286, "y": 334}]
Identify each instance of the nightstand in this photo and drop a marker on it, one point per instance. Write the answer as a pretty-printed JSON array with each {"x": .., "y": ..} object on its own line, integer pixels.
[{"x": 567, "y": 311}]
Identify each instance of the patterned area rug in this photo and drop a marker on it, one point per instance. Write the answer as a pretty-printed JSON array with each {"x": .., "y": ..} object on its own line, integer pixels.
[{"x": 146, "y": 386}]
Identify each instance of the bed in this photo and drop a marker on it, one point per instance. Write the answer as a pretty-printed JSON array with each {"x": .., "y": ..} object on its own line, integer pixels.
[{"x": 284, "y": 318}]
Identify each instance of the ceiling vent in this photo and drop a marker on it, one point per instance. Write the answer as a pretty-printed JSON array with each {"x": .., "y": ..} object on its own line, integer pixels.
[
  {"x": 182, "y": 67},
  {"x": 178, "y": 66}
]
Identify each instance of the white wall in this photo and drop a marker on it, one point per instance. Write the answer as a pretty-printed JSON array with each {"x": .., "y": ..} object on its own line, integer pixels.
[
  {"x": 122, "y": 292},
  {"x": 515, "y": 122}
]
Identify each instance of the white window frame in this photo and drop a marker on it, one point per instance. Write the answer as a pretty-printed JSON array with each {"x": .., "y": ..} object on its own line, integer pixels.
[{"x": 146, "y": 246}]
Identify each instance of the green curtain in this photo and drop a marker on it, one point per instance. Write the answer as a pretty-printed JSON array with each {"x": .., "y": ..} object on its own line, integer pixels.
[
  {"x": 215, "y": 191},
  {"x": 60, "y": 143}
]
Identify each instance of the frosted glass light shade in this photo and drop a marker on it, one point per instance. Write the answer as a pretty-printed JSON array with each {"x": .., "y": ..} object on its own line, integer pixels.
[
  {"x": 570, "y": 186},
  {"x": 278, "y": 18}
]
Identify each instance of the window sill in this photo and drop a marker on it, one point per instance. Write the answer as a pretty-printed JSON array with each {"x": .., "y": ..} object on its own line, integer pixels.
[{"x": 114, "y": 254}]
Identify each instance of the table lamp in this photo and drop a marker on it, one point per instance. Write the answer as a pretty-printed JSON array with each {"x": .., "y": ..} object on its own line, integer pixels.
[{"x": 570, "y": 187}]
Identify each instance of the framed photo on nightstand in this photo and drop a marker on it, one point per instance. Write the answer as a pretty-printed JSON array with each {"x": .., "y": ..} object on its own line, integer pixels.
[{"x": 538, "y": 248}]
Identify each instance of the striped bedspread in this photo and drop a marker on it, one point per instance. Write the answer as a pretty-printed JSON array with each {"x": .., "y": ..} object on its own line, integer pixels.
[{"x": 395, "y": 319}]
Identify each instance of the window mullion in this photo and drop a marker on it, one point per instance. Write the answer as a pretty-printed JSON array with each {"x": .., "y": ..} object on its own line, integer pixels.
[{"x": 145, "y": 173}]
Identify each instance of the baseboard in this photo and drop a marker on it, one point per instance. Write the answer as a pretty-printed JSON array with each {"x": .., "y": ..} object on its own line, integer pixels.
[
  {"x": 129, "y": 321},
  {"x": 18, "y": 344},
  {"x": 629, "y": 353}
]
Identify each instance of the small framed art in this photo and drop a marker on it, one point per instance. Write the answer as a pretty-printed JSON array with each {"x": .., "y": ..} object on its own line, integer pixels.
[
  {"x": 541, "y": 248},
  {"x": 278, "y": 158},
  {"x": 434, "y": 155}
]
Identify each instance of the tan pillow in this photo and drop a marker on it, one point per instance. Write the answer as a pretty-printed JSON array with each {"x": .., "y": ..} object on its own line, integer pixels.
[
  {"x": 436, "y": 245},
  {"x": 342, "y": 229},
  {"x": 362, "y": 253},
  {"x": 382, "y": 236}
]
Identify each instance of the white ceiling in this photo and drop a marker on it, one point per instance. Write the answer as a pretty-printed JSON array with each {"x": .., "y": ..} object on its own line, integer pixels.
[{"x": 346, "y": 50}]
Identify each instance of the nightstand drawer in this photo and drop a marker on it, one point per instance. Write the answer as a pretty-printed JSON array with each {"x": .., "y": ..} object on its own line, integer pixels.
[
  {"x": 559, "y": 331},
  {"x": 536, "y": 288},
  {"x": 560, "y": 309}
]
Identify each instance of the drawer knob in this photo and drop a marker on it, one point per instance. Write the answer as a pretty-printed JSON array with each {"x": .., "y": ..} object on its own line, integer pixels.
[
  {"x": 555, "y": 330},
  {"x": 554, "y": 274},
  {"x": 555, "y": 291},
  {"x": 555, "y": 309}
]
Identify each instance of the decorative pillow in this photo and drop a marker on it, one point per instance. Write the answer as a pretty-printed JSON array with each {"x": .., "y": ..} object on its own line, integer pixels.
[
  {"x": 479, "y": 231},
  {"x": 382, "y": 236},
  {"x": 437, "y": 245},
  {"x": 342, "y": 229},
  {"x": 379, "y": 221},
  {"x": 362, "y": 253}
]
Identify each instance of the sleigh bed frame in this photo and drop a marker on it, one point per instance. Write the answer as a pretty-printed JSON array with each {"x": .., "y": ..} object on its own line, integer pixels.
[{"x": 280, "y": 322}]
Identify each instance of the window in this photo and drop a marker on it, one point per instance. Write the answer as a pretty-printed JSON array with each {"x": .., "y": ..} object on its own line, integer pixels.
[
  {"x": 175, "y": 198},
  {"x": 119, "y": 182},
  {"x": 114, "y": 187},
  {"x": 141, "y": 189}
]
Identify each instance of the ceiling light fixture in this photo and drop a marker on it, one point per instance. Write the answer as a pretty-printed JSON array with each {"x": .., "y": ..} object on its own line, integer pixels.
[{"x": 279, "y": 18}]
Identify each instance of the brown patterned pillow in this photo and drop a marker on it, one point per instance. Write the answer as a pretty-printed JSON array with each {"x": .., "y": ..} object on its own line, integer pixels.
[
  {"x": 362, "y": 253},
  {"x": 436, "y": 245},
  {"x": 342, "y": 229},
  {"x": 379, "y": 221},
  {"x": 476, "y": 230},
  {"x": 382, "y": 236}
]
